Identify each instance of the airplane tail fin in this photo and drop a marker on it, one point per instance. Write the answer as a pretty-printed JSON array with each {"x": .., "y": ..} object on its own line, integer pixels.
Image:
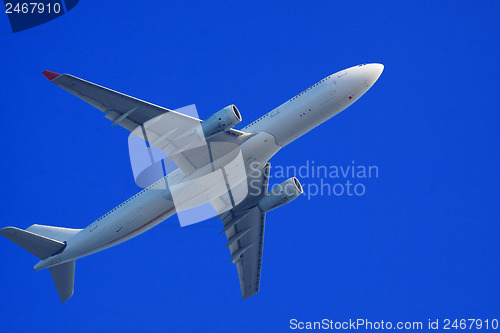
[{"x": 43, "y": 242}]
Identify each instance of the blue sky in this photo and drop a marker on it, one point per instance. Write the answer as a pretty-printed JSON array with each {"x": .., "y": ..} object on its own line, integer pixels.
[{"x": 421, "y": 243}]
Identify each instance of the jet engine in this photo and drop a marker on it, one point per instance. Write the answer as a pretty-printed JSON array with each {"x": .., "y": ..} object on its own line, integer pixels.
[
  {"x": 222, "y": 120},
  {"x": 281, "y": 194}
]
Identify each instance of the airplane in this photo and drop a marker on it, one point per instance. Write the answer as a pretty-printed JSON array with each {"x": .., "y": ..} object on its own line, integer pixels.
[{"x": 243, "y": 219}]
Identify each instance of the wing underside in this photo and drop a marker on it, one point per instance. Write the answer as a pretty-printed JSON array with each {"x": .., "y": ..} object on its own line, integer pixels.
[
  {"x": 126, "y": 111},
  {"x": 167, "y": 133},
  {"x": 244, "y": 228}
]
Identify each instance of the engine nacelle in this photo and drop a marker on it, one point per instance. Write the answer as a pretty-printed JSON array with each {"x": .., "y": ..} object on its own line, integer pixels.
[
  {"x": 281, "y": 194},
  {"x": 221, "y": 121}
]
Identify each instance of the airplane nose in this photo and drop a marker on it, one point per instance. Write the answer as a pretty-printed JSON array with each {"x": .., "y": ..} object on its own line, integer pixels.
[{"x": 373, "y": 72}]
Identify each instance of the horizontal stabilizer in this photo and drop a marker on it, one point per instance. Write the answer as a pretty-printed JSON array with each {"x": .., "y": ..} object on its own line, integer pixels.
[
  {"x": 64, "y": 279},
  {"x": 40, "y": 246},
  {"x": 57, "y": 233}
]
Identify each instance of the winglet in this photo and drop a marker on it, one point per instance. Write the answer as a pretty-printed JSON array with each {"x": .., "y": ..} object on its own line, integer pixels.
[{"x": 50, "y": 75}]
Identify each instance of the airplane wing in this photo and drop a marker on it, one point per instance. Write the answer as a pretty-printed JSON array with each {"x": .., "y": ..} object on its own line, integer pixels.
[
  {"x": 130, "y": 113},
  {"x": 244, "y": 228},
  {"x": 123, "y": 110}
]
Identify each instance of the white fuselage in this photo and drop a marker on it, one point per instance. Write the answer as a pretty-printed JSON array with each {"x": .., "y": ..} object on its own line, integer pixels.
[{"x": 270, "y": 133}]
